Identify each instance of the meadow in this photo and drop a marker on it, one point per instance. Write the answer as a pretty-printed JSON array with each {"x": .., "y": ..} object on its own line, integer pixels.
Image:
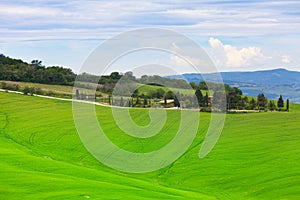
[
  {"x": 63, "y": 91},
  {"x": 42, "y": 157},
  {"x": 146, "y": 89}
]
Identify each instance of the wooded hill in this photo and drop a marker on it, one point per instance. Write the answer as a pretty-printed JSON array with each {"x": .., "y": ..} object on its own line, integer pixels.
[{"x": 18, "y": 70}]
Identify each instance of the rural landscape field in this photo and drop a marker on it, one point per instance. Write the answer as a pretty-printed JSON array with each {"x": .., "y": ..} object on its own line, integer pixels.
[{"x": 134, "y": 100}]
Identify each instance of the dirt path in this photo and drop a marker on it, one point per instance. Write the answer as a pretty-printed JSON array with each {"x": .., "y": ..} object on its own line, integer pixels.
[{"x": 57, "y": 98}]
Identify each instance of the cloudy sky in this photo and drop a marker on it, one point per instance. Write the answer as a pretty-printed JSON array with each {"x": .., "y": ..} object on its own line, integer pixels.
[{"x": 238, "y": 35}]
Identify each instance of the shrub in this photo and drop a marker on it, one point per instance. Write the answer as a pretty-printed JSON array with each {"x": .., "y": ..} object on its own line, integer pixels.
[
  {"x": 205, "y": 109},
  {"x": 26, "y": 90}
]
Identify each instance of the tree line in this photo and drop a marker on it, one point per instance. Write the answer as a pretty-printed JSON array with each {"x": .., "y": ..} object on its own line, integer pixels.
[
  {"x": 235, "y": 100},
  {"x": 18, "y": 70}
]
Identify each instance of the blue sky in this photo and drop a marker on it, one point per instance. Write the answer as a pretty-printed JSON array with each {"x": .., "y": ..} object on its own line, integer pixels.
[{"x": 238, "y": 35}]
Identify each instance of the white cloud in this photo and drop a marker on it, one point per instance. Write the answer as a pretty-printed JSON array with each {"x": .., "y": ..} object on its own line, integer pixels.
[
  {"x": 179, "y": 60},
  {"x": 196, "y": 18},
  {"x": 185, "y": 61},
  {"x": 18, "y": 11},
  {"x": 231, "y": 56},
  {"x": 286, "y": 59},
  {"x": 26, "y": 22}
]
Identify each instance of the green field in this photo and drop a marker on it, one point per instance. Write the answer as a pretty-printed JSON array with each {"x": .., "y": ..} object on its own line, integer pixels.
[
  {"x": 147, "y": 88},
  {"x": 42, "y": 157}
]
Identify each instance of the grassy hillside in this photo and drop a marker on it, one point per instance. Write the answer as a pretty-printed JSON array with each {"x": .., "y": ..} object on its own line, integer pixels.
[
  {"x": 60, "y": 89},
  {"x": 147, "y": 88},
  {"x": 56, "y": 89},
  {"x": 257, "y": 156}
]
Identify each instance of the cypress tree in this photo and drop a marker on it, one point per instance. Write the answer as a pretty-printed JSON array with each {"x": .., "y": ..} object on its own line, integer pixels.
[
  {"x": 206, "y": 100},
  {"x": 77, "y": 94},
  {"x": 280, "y": 102},
  {"x": 199, "y": 96},
  {"x": 122, "y": 102},
  {"x": 253, "y": 104},
  {"x": 129, "y": 103},
  {"x": 176, "y": 102},
  {"x": 261, "y": 101},
  {"x": 132, "y": 104},
  {"x": 288, "y": 105},
  {"x": 109, "y": 97},
  {"x": 145, "y": 101},
  {"x": 137, "y": 101}
]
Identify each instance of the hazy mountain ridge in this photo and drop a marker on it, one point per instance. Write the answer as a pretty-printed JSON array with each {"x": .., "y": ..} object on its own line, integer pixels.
[{"x": 270, "y": 82}]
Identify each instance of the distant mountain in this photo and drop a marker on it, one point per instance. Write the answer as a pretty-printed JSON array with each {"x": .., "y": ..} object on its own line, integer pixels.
[{"x": 270, "y": 82}]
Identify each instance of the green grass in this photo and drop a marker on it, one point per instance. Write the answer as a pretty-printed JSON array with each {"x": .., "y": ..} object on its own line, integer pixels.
[
  {"x": 147, "y": 88},
  {"x": 42, "y": 157}
]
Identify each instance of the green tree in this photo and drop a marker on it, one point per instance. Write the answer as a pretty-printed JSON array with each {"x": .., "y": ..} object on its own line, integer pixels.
[
  {"x": 115, "y": 76},
  {"x": 219, "y": 101},
  {"x": 129, "y": 76},
  {"x": 77, "y": 94},
  {"x": 243, "y": 103},
  {"x": 169, "y": 95},
  {"x": 280, "y": 102},
  {"x": 137, "y": 101},
  {"x": 26, "y": 90},
  {"x": 109, "y": 100},
  {"x": 135, "y": 93},
  {"x": 234, "y": 100},
  {"x": 262, "y": 101},
  {"x": 252, "y": 104},
  {"x": 36, "y": 63},
  {"x": 145, "y": 101},
  {"x": 132, "y": 104},
  {"x": 200, "y": 98},
  {"x": 288, "y": 105},
  {"x": 122, "y": 102},
  {"x": 160, "y": 93},
  {"x": 129, "y": 103},
  {"x": 202, "y": 86},
  {"x": 176, "y": 101},
  {"x": 206, "y": 100},
  {"x": 237, "y": 91},
  {"x": 194, "y": 85},
  {"x": 272, "y": 105}
]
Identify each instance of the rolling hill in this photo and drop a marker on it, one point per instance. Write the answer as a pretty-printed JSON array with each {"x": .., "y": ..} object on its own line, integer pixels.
[
  {"x": 270, "y": 82},
  {"x": 42, "y": 157}
]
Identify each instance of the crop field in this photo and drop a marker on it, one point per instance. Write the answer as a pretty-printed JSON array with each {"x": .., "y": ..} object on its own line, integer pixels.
[{"x": 42, "y": 157}]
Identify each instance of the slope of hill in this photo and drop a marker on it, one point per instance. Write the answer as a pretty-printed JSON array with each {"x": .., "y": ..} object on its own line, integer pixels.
[
  {"x": 42, "y": 157},
  {"x": 271, "y": 82}
]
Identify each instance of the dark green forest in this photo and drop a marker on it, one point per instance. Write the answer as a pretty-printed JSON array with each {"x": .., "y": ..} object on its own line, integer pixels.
[{"x": 18, "y": 70}]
